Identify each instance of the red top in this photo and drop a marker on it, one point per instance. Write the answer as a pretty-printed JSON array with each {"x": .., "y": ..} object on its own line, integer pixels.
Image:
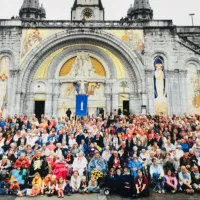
[{"x": 141, "y": 181}]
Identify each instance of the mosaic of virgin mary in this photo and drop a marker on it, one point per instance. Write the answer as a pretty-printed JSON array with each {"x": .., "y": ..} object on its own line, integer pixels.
[{"x": 160, "y": 93}]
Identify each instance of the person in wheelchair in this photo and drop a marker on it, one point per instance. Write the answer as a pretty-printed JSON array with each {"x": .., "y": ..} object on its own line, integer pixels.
[
  {"x": 157, "y": 175},
  {"x": 80, "y": 163},
  {"x": 141, "y": 185},
  {"x": 135, "y": 165},
  {"x": 97, "y": 163}
]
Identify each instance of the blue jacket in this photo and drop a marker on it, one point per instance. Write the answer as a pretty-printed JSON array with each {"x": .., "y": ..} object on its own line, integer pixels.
[
  {"x": 97, "y": 164},
  {"x": 2, "y": 124},
  {"x": 135, "y": 164}
]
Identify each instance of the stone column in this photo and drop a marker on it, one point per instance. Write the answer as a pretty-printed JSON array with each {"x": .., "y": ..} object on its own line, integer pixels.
[
  {"x": 18, "y": 102},
  {"x": 169, "y": 80},
  {"x": 115, "y": 101},
  {"x": 48, "y": 105},
  {"x": 150, "y": 90},
  {"x": 29, "y": 104},
  {"x": 108, "y": 103},
  {"x": 134, "y": 103},
  {"x": 49, "y": 98},
  {"x": 108, "y": 96},
  {"x": 183, "y": 91},
  {"x": 176, "y": 96},
  {"x": 12, "y": 90},
  {"x": 55, "y": 105}
]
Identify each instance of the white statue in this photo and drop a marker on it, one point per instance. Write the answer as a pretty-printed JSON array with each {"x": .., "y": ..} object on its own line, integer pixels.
[
  {"x": 82, "y": 85},
  {"x": 83, "y": 68}
]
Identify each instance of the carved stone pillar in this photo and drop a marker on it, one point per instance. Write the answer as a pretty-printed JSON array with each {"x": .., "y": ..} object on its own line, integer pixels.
[
  {"x": 134, "y": 103},
  {"x": 169, "y": 87},
  {"x": 115, "y": 102},
  {"x": 107, "y": 93},
  {"x": 183, "y": 91},
  {"x": 108, "y": 103},
  {"x": 49, "y": 98},
  {"x": 150, "y": 90},
  {"x": 55, "y": 105},
  {"x": 48, "y": 105},
  {"x": 29, "y": 104},
  {"x": 12, "y": 91},
  {"x": 18, "y": 103}
]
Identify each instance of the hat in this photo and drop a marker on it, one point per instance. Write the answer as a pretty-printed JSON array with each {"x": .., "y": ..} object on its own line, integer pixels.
[{"x": 179, "y": 146}]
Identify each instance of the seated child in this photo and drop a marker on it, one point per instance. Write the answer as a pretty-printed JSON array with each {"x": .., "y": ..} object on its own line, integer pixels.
[
  {"x": 68, "y": 187},
  {"x": 92, "y": 186},
  {"x": 4, "y": 186},
  {"x": 35, "y": 190},
  {"x": 37, "y": 180},
  {"x": 52, "y": 185},
  {"x": 14, "y": 187},
  {"x": 83, "y": 186},
  {"x": 60, "y": 187},
  {"x": 118, "y": 174},
  {"x": 45, "y": 184},
  {"x": 112, "y": 173},
  {"x": 126, "y": 171}
]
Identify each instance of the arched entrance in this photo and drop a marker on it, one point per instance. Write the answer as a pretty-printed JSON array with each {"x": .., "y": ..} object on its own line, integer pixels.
[{"x": 118, "y": 61}]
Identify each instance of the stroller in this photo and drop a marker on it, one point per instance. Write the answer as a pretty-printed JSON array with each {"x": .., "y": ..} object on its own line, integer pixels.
[{"x": 122, "y": 185}]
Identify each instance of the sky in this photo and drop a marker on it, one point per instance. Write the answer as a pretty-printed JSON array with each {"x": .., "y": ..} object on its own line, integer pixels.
[{"x": 177, "y": 10}]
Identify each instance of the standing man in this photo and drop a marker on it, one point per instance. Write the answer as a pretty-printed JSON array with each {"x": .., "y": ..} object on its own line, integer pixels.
[{"x": 68, "y": 113}]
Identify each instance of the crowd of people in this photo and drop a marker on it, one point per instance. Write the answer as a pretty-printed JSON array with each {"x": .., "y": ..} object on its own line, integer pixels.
[{"x": 67, "y": 155}]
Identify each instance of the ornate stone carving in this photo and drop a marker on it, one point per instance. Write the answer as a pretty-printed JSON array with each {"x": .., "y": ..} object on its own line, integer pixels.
[
  {"x": 83, "y": 68},
  {"x": 14, "y": 72}
]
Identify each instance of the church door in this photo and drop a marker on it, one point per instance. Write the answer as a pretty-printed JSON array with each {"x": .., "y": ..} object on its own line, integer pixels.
[
  {"x": 126, "y": 107},
  {"x": 39, "y": 108}
]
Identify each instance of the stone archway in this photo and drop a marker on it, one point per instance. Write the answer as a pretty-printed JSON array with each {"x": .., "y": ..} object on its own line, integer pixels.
[{"x": 44, "y": 49}]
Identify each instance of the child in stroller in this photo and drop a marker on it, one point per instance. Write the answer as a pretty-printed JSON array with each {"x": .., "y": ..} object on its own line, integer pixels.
[{"x": 118, "y": 182}]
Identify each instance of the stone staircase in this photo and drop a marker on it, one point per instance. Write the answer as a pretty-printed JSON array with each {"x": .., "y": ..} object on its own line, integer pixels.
[{"x": 188, "y": 44}]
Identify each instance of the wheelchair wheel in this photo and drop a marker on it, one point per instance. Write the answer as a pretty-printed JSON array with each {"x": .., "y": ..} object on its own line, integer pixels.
[{"x": 106, "y": 191}]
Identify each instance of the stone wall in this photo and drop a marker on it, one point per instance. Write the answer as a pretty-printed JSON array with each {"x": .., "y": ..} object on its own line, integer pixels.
[
  {"x": 160, "y": 38},
  {"x": 10, "y": 42}
]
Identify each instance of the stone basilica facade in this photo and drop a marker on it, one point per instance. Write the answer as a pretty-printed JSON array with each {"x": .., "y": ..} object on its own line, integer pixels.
[{"x": 137, "y": 64}]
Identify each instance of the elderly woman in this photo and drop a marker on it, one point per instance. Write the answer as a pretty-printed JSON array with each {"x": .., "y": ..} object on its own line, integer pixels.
[
  {"x": 80, "y": 163},
  {"x": 5, "y": 166},
  {"x": 97, "y": 163},
  {"x": 185, "y": 180},
  {"x": 59, "y": 168},
  {"x": 58, "y": 150},
  {"x": 75, "y": 150},
  {"x": 106, "y": 154}
]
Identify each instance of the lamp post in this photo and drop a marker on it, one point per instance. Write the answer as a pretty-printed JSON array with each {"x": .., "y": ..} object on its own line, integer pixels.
[{"x": 192, "y": 17}]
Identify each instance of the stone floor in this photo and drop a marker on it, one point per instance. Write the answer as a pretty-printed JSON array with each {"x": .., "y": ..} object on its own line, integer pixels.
[{"x": 154, "y": 196}]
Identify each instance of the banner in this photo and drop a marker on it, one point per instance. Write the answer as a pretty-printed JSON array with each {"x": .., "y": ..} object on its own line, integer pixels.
[{"x": 81, "y": 105}]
